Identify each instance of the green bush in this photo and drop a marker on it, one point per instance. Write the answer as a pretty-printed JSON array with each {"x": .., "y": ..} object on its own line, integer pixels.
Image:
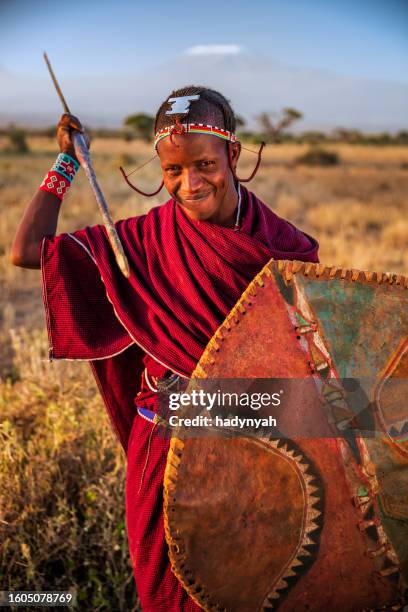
[
  {"x": 317, "y": 156},
  {"x": 18, "y": 139}
]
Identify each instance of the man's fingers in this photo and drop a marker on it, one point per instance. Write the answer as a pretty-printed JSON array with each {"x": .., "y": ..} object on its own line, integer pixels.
[
  {"x": 75, "y": 126},
  {"x": 65, "y": 128},
  {"x": 71, "y": 122}
]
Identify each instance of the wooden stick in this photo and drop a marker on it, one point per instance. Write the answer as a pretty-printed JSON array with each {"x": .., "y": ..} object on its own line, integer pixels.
[
  {"x": 84, "y": 158},
  {"x": 56, "y": 84}
]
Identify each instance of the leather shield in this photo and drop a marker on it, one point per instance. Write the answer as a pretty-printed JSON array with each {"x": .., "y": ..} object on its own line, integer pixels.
[{"x": 303, "y": 523}]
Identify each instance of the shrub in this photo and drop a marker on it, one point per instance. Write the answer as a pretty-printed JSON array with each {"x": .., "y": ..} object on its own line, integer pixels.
[
  {"x": 18, "y": 139},
  {"x": 317, "y": 156},
  {"x": 127, "y": 135}
]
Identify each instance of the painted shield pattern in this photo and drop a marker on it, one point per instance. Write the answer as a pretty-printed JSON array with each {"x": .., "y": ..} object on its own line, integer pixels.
[{"x": 309, "y": 522}]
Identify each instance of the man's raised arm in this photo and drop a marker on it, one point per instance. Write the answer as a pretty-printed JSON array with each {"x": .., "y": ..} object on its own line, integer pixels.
[{"x": 41, "y": 215}]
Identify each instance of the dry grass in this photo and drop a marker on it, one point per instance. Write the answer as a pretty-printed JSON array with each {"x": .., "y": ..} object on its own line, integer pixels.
[
  {"x": 61, "y": 486},
  {"x": 62, "y": 472}
]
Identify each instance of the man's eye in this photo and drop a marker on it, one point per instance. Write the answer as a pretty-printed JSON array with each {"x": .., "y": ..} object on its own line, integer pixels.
[
  {"x": 173, "y": 169},
  {"x": 205, "y": 163}
]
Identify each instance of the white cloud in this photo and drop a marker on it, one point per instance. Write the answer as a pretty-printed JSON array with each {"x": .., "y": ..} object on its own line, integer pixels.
[{"x": 214, "y": 50}]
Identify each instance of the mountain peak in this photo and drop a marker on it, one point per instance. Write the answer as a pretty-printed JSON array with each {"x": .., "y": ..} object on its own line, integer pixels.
[{"x": 221, "y": 49}]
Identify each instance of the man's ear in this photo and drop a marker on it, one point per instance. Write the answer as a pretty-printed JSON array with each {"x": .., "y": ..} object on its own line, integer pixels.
[{"x": 235, "y": 152}]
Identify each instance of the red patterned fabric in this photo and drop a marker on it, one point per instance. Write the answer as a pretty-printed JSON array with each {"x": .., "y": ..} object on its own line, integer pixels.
[
  {"x": 55, "y": 183},
  {"x": 185, "y": 277}
]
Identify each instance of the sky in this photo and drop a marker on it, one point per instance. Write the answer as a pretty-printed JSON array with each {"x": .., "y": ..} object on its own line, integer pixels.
[{"x": 365, "y": 38}]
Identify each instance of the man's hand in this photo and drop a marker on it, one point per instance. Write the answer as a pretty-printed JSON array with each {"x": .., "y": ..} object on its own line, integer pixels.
[{"x": 66, "y": 125}]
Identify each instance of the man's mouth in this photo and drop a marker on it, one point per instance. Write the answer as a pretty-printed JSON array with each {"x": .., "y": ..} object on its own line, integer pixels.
[{"x": 194, "y": 197}]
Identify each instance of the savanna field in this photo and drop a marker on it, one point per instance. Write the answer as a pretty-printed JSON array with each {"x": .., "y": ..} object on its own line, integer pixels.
[{"x": 62, "y": 521}]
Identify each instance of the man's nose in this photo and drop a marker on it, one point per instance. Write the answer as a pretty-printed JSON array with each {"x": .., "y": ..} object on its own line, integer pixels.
[{"x": 191, "y": 180}]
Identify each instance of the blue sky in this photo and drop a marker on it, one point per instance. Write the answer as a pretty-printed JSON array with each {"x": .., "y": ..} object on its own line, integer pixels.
[{"x": 361, "y": 37}]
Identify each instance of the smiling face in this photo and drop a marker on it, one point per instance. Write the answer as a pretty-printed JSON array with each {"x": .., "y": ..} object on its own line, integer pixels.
[{"x": 197, "y": 175}]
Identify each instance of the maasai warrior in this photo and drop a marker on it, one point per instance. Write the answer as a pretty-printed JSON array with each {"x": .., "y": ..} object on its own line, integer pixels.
[{"x": 190, "y": 260}]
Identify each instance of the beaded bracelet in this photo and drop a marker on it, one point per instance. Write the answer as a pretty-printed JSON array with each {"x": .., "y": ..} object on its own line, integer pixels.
[{"x": 58, "y": 180}]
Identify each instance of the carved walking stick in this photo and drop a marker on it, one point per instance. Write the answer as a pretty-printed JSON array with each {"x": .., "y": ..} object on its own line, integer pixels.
[{"x": 84, "y": 158}]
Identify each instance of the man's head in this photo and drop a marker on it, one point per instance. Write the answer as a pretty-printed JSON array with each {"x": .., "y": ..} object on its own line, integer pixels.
[
  {"x": 201, "y": 105},
  {"x": 195, "y": 161}
]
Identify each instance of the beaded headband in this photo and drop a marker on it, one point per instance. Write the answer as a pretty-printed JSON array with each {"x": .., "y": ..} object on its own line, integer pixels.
[{"x": 196, "y": 128}]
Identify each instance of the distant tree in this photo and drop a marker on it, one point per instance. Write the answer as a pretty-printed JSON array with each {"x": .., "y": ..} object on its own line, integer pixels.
[
  {"x": 142, "y": 124},
  {"x": 18, "y": 139},
  {"x": 340, "y": 134},
  {"x": 350, "y": 136},
  {"x": 383, "y": 138},
  {"x": 312, "y": 137},
  {"x": 274, "y": 124},
  {"x": 250, "y": 137},
  {"x": 49, "y": 132},
  {"x": 401, "y": 137}
]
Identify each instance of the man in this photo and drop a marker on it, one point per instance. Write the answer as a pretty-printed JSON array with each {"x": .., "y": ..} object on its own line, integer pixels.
[{"x": 190, "y": 260}]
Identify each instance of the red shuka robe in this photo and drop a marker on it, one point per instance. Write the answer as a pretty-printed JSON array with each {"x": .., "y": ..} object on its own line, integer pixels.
[{"x": 185, "y": 277}]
